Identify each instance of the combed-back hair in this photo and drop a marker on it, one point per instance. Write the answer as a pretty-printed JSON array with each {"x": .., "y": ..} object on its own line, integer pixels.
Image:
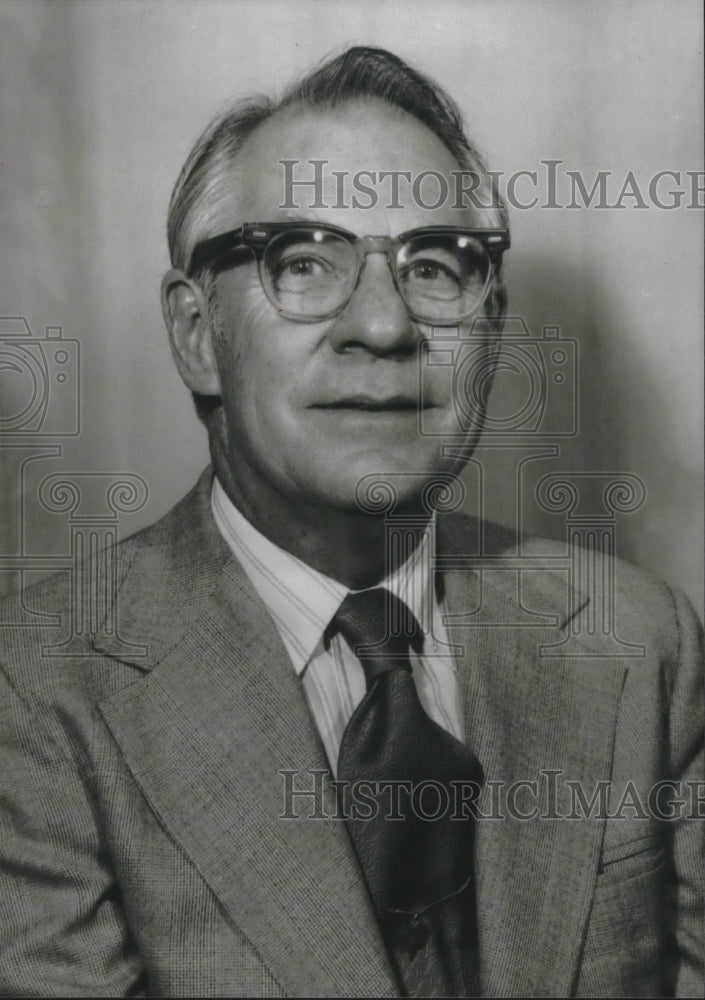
[
  {"x": 364, "y": 72},
  {"x": 208, "y": 175}
]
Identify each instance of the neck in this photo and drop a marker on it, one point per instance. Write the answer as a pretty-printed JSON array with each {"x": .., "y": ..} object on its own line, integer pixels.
[{"x": 350, "y": 546}]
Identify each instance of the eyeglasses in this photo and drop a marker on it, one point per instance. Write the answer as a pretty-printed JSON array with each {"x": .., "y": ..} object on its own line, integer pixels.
[{"x": 309, "y": 270}]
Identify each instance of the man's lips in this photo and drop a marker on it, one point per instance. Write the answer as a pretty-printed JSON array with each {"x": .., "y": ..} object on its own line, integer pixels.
[{"x": 373, "y": 404}]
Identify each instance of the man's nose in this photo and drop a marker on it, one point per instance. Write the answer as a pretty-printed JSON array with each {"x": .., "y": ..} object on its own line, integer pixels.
[{"x": 376, "y": 318}]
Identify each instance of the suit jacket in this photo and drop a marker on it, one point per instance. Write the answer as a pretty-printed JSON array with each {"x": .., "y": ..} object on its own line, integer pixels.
[{"x": 143, "y": 845}]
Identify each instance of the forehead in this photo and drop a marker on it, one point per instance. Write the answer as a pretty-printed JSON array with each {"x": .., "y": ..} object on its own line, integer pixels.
[{"x": 363, "y": 145}]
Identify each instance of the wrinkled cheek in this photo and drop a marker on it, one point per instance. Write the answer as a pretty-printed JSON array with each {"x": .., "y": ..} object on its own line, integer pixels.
[
  {"x": 458, "y": 380},
  {"x": 241, "y": 333}
]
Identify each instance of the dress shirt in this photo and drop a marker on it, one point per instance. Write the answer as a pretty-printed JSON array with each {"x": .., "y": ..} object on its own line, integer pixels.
[{"x": 302, "y": 601}]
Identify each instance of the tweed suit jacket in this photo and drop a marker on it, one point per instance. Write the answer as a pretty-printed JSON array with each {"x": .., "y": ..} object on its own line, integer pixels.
[{"x": 144, "y": 849}]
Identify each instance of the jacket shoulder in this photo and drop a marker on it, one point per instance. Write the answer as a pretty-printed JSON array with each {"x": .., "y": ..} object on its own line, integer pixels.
[
  {"x": 47, "y": 630},
  {"x": 640, "y": 605}
]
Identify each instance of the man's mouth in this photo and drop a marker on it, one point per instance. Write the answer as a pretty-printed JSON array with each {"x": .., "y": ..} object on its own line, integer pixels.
[{"x": 373, "y": 404}]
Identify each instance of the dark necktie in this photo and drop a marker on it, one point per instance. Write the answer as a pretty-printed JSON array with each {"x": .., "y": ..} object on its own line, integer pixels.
[{"x": 408, "y": 776}]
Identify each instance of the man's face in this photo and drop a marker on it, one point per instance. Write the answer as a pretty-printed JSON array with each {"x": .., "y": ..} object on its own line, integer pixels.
[{"x": 313, "y": 407}]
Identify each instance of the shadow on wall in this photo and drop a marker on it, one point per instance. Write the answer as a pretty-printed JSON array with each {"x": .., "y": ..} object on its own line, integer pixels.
[{"x": 568, "y": 413}]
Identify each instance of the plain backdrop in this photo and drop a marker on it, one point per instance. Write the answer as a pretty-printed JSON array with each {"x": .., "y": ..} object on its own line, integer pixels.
[{"x": 100, "y": 101}]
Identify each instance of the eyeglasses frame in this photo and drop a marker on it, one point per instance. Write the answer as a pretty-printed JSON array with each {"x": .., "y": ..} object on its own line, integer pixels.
[{"x": 257, "y": 235}]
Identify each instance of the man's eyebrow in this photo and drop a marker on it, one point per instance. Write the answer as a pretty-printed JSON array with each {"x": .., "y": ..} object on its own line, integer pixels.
[{"x": 311, "y": 218}]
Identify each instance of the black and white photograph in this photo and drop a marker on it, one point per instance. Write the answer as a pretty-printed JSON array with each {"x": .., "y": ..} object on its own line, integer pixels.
[{"x": 351, "y": 492}]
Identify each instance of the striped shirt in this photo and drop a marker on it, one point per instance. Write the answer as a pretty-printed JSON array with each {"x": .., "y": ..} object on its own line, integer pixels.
[{"x": 302, "y": 601}]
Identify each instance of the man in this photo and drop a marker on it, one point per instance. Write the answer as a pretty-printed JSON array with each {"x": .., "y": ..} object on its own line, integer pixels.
[{"x": 195, "y": 802}]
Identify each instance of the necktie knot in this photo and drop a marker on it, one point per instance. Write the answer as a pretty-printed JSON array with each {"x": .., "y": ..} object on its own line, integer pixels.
[{"x": 379, "y": 628}]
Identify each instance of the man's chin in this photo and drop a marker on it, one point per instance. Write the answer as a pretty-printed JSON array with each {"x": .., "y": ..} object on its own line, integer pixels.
[{"x": 384, "y": 488}]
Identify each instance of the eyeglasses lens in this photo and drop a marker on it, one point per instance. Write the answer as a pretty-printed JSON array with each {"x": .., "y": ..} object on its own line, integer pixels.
[
  {"x": 443, "y": 277},
  {"x": 311, "y": 273}
]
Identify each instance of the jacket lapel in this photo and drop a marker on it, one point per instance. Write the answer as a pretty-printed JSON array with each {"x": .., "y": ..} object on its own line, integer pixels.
[
  {"x": 538, "y": 719},
  {"x": 207, "y": 733}
]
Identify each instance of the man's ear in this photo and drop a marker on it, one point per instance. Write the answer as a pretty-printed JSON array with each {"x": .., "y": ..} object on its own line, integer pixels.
[{"x": 185, "y": 310}]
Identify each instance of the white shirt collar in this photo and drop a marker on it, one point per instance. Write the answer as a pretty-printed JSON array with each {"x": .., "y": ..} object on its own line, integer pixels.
[{"x": 300, "y": 599}]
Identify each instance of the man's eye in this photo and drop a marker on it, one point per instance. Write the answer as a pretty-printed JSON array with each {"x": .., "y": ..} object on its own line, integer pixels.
[
  {"x": 431, "y": 276},
  {"x": 304, "y": 267},
  {"x": 297, "y": 271},
  {"x": 430, "y": 270}
]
